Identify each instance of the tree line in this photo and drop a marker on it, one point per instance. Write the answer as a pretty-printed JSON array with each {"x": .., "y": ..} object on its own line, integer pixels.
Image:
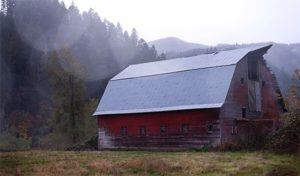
[{"x": 55, "y": 63}]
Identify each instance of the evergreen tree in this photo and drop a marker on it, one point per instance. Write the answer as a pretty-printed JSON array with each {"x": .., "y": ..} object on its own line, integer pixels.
[
  {"x": 126, "y": 37},
  {"x": 162, "y": 56},
  {"x": 119, "y": 31},
  {"x": 153, "y": 53},
  {"x": 134, "y": 37}
]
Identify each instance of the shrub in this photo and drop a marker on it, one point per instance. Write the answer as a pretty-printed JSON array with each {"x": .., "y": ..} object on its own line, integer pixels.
[
  {"x": 9, "y": 142},
  {"x": 91, "y": 144},
  {"x": 55, "y": 141},
  {"x": 287, "y": 138}
]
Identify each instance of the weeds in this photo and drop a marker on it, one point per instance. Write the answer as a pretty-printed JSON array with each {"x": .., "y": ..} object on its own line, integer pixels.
[{"x": 147, "y": 163}]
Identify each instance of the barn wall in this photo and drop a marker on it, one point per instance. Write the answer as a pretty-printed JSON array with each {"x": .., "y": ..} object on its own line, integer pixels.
[
  {"x": 233, "y": 130},
  {"x": 110, "y": 135},
  {"x": 270, "y": 105}
]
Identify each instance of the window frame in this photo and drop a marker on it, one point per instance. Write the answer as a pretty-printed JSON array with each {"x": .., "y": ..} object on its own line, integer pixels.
[
  {"x": 163, "y": 129},
  {"x": 185, "y": 128},
  {"x": 124, "y": 131},
  {"x": 209, "y": 128},
  {"x": 143, "y": 131}
]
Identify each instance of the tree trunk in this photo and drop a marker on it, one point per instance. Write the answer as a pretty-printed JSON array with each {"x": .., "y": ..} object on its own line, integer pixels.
[{"x": 73, "y": 121}]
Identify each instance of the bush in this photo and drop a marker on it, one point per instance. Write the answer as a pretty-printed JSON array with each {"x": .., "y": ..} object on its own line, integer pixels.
[
  {"x": 55, "y": 141},
  {"x": 89, "y": 145},
  {"x": 9, "y": 142},
  {"x": 232, "y": 146},
  {"x": 287, "y": 138}
]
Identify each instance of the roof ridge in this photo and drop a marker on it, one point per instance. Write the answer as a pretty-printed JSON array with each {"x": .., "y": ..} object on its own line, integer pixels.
[
  {"x": 218, "y": 52},
  {"x": 223, "y": 58}
]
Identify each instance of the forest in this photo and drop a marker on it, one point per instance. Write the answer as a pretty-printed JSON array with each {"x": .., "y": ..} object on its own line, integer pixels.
[{"x": 55, "y": 63}]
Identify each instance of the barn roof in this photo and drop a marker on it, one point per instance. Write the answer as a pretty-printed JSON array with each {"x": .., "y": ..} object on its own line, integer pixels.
[
  {"x": 222, "y": 58},
  {"x": 179, "y": 84}
]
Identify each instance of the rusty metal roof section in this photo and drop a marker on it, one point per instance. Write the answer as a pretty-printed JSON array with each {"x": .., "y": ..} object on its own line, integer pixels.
[{"x": 196, "y": 82}]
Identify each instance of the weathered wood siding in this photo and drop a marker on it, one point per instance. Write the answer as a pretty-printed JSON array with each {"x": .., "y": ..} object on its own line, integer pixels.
[
  {"x": 233, "y": 130},
  {"x": 197, "y": 136}
]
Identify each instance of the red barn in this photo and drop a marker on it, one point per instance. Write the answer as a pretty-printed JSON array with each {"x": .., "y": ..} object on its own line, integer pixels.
[{"x": 204, "y": 100}]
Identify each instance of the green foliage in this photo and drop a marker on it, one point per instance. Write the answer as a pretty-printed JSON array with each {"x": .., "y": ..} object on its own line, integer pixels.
[
  {"x": 72, "y": 120},
  {"x": 91, "y": 125},
  {"x": 68, "y": 95},
  {"x": 203, "y": 149},
  {"x": 91, "y": 144},
  {"x": 287, "y": 138},
  {"x": 56, "y": 141},
  {"x": 9, "y": 142},
  {"x": 293, "y": 98}
]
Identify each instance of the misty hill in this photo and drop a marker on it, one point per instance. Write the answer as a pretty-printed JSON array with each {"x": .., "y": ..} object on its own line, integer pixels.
[
  {"x": 173, "y": 44},
  {"x": 283, "y": 59}
]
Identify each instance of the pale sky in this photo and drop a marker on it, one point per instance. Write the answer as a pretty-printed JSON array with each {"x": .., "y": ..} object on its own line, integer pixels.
[{"x": 204, "y": 21}]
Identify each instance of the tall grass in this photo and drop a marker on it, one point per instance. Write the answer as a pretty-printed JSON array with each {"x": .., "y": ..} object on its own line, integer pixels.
[{"x": 147, "y": 163}]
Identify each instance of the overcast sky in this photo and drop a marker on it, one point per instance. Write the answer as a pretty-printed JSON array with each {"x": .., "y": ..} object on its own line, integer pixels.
[{"x": 204, "y": 21}]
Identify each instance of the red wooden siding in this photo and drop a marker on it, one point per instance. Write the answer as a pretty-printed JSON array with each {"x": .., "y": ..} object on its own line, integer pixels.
[{"x": 175, "y": 123}]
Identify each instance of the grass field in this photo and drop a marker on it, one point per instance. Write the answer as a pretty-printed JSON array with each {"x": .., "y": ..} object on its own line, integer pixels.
[{"x": 147, "y": 163}]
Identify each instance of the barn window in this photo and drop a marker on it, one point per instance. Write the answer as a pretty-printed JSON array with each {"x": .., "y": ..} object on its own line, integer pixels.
[
  {"x": 142, "y": 131},
  {"x": 209, "y": 128},
  {"x": 163, "y": 129},
  {"x": 243, "y": 112},
  {"x": 185, "y": 128},
  {"x": 242, "y": 80},
  {"x": 253, "y": 68},
  {"x": 124, "y": 131}
]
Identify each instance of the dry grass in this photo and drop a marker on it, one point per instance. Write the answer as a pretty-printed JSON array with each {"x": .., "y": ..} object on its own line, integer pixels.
[{"x": 147, "y": 163}]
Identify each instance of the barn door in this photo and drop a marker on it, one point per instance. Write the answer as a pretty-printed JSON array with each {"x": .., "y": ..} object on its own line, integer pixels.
[
  {"x": 258, "y": 96},
  {"x": 254, "y": 97},
  {"x": 251, "y": 95}
]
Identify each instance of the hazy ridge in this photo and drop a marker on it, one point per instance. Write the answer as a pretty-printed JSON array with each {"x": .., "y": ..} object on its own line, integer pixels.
[{"x": 173, "y": 45}]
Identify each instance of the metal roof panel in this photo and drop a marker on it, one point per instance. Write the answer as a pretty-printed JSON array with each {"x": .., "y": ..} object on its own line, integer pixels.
[
  {"x": 222, "y": 58},
  {"x": 191, "y": 89}
]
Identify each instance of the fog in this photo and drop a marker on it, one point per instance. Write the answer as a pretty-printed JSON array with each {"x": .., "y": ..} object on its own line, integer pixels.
[{"x": 205, "y": 21}]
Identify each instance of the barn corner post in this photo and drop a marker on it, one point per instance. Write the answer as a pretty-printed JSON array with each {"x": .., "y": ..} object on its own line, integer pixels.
[
  {"x": 99, "y": 138},
  {"x": 106, "y": 138},
  {"x": 101, "y": 134}
]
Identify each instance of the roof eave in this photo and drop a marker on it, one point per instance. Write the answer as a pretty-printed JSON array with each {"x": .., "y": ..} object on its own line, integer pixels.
[{"x": 165, "y": 109}]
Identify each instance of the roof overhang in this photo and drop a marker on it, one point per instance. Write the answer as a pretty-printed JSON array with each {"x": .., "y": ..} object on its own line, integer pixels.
[{"x": 164, "y": 109}]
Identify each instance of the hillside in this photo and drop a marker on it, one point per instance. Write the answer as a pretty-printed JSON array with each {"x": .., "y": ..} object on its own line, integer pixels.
[
  {"x": 173, "y": 44},
  {"x": 283, "y": 59}
]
